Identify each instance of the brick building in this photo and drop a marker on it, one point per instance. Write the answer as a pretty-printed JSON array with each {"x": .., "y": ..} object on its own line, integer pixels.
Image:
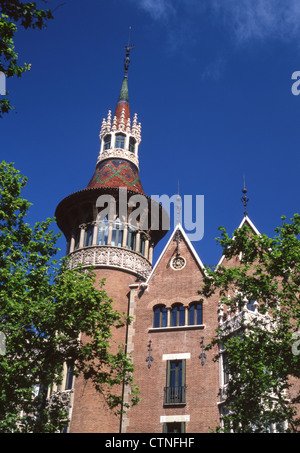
[{"x": 178, "y": 381}]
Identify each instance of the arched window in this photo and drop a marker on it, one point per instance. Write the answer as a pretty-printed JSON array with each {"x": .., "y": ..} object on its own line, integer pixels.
[
  {"x": 177, "y": 315},
  {"x": 117, "y": 234},
  {"x": 160, "y": 316},
  {"x": 107, "y": 142},
  {"x": 195, "y": 314},
  {"x": 132, "y": 142},
  {"x": 120, "y": 141}
]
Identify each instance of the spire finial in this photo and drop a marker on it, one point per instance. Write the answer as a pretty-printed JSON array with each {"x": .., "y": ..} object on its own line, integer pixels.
[
  {"x": 245, "y": 199},
  {"x": 128, "y": 48}
]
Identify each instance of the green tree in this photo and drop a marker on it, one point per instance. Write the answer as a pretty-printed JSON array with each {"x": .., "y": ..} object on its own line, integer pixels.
[
  {"x": 44, "y": 307},
  {"x": 258, "y": 349},
  {"x": 15, "y": 13}
]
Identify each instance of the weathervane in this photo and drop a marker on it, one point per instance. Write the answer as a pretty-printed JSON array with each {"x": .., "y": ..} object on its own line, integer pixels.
[
  {"x": 245, "y": 199},
  {"x": 128, "y": 48}
]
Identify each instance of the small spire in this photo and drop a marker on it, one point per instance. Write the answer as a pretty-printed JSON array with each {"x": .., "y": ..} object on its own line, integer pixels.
[{"x": 245, "y": 199}]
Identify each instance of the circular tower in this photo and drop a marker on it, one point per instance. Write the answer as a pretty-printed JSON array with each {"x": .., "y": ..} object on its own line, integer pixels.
[{"x": 113, "y": 226}]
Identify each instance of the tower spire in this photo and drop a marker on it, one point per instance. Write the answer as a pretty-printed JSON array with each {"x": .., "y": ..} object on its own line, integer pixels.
[{"x": 123, "y": 100}]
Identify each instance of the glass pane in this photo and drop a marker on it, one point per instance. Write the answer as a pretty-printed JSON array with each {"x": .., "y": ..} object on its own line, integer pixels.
[
  {"x": 131, "y": 145},
  {"x": 181, "y": 316},
  {"x": 199, "y": 314},
  {"x": 120, "y": 141},
  {"x": 164, "y": 317},
  {"x": 107, "y": 142},
  {"x": 174, "y": 316},
  {"x": 156, "y": 318},
  {"x": 191, "y": 315}
]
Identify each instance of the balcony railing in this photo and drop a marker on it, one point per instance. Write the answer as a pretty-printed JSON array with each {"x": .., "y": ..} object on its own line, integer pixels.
[{"x": 175, "y": 395}]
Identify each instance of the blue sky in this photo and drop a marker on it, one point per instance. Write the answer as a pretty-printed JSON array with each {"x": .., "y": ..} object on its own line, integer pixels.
[{"x": 210, "y": 81}]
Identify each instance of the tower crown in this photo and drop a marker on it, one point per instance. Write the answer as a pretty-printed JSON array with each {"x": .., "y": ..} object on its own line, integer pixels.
[{"x": 119, "y": 138}]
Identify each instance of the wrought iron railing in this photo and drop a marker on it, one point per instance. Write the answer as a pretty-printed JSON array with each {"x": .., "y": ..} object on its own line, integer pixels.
[{"x": 175, "y": 395}]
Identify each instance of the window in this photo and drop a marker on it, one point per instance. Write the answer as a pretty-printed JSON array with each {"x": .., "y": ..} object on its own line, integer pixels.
[
  {"x": 131, "y": 239},
  {"x": 225, "y": 374},
  {"x": 177, "y": 315},
  {"x": 142, "y": 244},
  {"x": 132, "y": 145},
  {"x": 88, "y": 236},
  {"x": 107, "y": 142},
  {"x": 160, "y": 316},
  {"x": 69, "y": 377},
  {"x": 117, "y": 234},
  {"x": 175, "y": 388},
  {"x": 77, "y": 238},
  {"x": 120, "y": 141},
  {"x": 102, "y": 233},
  {"x": 195, "y": 314},
  {"x": 175, "y": 427}
]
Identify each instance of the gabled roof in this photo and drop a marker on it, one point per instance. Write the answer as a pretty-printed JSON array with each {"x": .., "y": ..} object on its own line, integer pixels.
[
  {"x": 245, "y": 221},
  {"x": 189, "y": 245}
]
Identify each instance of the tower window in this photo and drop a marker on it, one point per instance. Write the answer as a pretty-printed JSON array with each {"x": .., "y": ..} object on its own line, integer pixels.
[
  {"x": 88, "y": 236},
  {"x": 102, "y": 233},
  {"x": 160, "y": 317},
  {"x": 77, "y": 238},
  {"x": 177, "y": 315},
  {"x": 131, "y": 239},
  {"x": 107, "y": 142},
  {"x": 132, "y": 143},
  {"x": 195, "y": 314},
  {"x": 117, "y": 234},
  {"x": 120, "y": 141}
]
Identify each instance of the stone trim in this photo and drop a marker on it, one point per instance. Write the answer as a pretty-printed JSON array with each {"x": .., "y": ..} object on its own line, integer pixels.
[
  {"x": 177, "y": 356},
  {"x": 119, "y": 153},
  {"x": 174, "y": 418}
]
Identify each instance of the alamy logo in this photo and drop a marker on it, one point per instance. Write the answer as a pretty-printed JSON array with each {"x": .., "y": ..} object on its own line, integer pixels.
[
  {"x": 154, "y": 213},
  {"x": 2, "y": 84},
  {"x": 296, "y": 85}
]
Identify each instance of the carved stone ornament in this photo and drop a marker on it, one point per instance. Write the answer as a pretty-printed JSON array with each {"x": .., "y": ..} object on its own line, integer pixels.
[
  {"x": 119, "y": 153},
  {"x": 108, "y": 256},
  {"x": 178, "y": 263}
]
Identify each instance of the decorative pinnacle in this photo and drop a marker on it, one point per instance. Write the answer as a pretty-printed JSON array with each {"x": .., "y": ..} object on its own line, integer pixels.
[
  {"x": 245, "y": 199},
  {"x": 128, "y": 48}
]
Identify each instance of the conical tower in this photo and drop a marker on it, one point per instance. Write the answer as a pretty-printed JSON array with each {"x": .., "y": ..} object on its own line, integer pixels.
[{"x": 113, "y": 226}]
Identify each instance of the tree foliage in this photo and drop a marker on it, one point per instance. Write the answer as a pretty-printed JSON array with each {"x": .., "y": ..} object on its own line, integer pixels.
[
  {"x": 44, "y": 308},
  {"x": 14, "y": 14},
  {"x": 262, "y": 358}
]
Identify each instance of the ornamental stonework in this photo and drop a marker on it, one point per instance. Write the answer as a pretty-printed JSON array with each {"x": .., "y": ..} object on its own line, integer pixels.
[
  {"x": 178, "y": 263},
  {"x": 118, "y": 153},
  {"x": 115, "y": 257}
]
